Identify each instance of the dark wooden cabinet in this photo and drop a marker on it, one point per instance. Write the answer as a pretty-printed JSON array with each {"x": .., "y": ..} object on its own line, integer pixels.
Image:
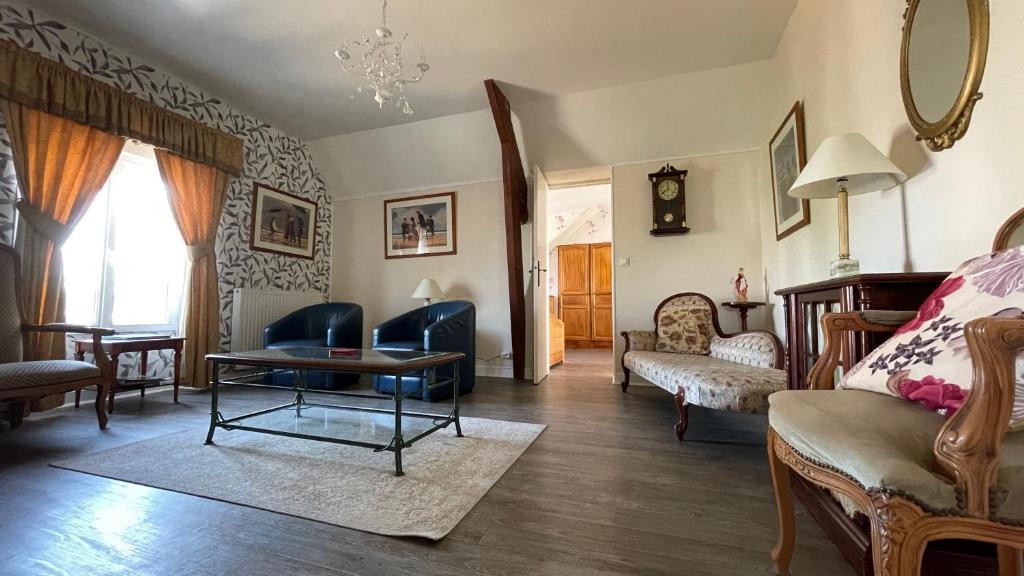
[{"x": 804, "y": 306}]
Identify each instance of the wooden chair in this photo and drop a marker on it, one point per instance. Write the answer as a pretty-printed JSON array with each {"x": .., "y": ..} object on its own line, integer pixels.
[
  {"x": 964, "y": 476},
  {"x": 23, "y": 381}
]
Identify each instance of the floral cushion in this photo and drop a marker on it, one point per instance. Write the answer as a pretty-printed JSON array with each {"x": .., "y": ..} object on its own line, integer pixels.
[
  {"x": 927, "y": 360},
  {"x": 684, "y": 330},
  {"x": 708, "y": 382}
]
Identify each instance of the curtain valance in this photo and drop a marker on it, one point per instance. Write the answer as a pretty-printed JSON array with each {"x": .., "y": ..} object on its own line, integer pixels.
[{"x": 43, "y": 84}]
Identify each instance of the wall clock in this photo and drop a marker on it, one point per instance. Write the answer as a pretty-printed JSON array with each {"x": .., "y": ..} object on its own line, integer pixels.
[{"x": 668, "y": 193}]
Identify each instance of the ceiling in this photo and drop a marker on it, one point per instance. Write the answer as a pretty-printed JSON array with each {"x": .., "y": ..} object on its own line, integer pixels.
[{"x": 274, "y": 59}]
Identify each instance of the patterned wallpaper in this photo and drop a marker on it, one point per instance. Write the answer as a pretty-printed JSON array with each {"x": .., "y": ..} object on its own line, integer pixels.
[{"x": 271, "y": 157}]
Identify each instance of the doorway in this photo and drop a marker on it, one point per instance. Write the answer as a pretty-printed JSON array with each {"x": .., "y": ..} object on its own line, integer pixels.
[{"x": 578, "y": 258}]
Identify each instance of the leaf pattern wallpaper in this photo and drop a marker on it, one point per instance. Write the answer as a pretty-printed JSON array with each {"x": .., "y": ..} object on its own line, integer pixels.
[{"x": 271, "y": 157}]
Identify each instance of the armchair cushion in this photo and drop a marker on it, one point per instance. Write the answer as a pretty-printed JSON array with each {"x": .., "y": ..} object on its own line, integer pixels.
[
  {"x": 927, "y": 360},
  {"x": 44, "y": 373},
  {"x": 885, "y": 443},
  {"x": 880, "y": 441},
  {"x": 414, "y": 345},
  {"x": 684, "y": 327}
]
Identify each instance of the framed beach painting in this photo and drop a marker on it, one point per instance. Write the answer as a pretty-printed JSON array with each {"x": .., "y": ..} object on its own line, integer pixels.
[
  {"x": 282, "y": 223},
  {"x": 420, "y": 226},
  {"x": 788, "y": 153}
]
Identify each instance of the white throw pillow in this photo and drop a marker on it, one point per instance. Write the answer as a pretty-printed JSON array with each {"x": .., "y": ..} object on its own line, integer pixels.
[{"x": 927, "y": 360}]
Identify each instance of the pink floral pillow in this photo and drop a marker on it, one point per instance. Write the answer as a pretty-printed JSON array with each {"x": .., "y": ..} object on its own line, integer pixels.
[{"x": 927, "y": 360}]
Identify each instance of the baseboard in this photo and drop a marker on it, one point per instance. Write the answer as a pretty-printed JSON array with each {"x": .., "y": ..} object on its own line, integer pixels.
[{"x": 494, "y": 371}]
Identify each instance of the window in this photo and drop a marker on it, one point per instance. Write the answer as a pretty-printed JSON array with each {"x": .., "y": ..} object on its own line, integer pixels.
[{"x": 125, "y": 263}]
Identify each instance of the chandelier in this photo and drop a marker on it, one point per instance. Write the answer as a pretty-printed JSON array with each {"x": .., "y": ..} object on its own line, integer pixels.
[{"x": 380, "y": 65}]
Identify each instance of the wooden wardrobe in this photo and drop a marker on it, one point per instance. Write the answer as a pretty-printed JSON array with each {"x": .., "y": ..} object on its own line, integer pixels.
[{"x": 585, "y": 294}]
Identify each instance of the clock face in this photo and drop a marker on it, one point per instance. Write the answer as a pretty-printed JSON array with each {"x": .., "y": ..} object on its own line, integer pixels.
[{"x": 668, "y": 190}]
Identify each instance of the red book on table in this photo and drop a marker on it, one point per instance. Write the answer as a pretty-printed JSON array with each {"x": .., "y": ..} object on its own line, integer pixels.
[{"x": 345, "y": 351}]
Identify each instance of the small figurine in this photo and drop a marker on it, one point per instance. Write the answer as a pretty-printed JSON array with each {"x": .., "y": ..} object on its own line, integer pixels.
[{"x": 740, "y": 286}]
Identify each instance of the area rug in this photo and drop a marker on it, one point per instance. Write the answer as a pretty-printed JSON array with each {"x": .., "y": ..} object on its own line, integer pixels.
[{"x": 445, "y": 476}]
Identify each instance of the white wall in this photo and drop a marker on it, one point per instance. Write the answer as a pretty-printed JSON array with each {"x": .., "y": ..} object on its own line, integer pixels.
[
  {"x": 475, "y": 273},
  {"x": 842, "y": 60},
  {"x": 704, "y": 112},
  {"x": 722, "y": 212},
  {"x": 462, "y": 148}
]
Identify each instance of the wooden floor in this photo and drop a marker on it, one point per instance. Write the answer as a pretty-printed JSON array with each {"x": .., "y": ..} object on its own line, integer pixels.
[{"x": 606, "y": 489}]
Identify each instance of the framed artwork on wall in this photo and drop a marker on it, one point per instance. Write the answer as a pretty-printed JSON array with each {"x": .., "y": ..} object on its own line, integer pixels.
[
  {"x": 420, "y": 226},
  {"x": 282, "y": 223},
  {"x": 788, "y": 155}
]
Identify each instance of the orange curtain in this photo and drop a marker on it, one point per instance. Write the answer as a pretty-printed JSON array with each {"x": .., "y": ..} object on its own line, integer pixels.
[
  {"x": 196, "y": 193},
  {"x": 60, "y": 166}
]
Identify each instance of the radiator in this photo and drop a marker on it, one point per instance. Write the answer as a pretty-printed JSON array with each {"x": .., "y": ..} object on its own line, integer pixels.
[{"x": 252, "y": 310}]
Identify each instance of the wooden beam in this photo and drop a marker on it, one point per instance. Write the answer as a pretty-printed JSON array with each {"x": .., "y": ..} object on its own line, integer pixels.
[{"x": 516, "y": 214}]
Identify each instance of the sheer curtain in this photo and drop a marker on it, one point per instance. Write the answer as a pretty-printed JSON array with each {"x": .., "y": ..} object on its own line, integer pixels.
[
  {"x": 60, "y": 166},
  {"x": 196, "y": 193}
]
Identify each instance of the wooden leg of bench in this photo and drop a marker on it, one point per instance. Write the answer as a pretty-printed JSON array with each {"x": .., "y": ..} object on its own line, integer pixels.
[{"x": 684, "y": 412}]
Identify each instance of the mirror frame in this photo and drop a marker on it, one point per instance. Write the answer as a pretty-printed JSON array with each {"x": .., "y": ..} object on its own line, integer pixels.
[
  {"x": 944, "y": 133},
  {"x": 1008, "y": 230}
]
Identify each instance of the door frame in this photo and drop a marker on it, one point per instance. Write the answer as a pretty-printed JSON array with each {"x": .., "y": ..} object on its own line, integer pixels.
[{"x": 608, "y": 181}]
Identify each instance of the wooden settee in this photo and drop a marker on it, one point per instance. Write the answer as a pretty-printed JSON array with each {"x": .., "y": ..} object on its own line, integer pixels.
[{"x": 738, "y": 374}]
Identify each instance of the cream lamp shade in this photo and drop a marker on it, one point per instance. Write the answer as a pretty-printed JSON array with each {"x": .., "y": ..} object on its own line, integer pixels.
[
  {"x": 843, "y": 165},
  {"x": 850, "y": 157},
  {"x": 428, "y": 290}
]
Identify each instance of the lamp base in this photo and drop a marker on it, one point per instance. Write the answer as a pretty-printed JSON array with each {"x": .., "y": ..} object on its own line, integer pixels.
[{"x": 844, "y": 267}]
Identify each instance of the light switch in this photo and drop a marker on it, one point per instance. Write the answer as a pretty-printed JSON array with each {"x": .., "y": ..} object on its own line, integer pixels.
[{"x": 624, "y": 261}]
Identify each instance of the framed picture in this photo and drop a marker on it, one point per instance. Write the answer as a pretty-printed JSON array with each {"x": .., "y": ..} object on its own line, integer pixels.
[
  {"x": 420, "y": 226},
  {"x": 282, "y": 223},
  {"x": 788, "y": 153}
]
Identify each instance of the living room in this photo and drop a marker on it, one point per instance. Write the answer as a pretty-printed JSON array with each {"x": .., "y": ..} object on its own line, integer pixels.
[{"x": 778, "y": 178}]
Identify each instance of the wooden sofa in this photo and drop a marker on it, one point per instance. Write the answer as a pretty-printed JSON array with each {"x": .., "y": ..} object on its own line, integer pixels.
[{"x": 739, "y": 374}]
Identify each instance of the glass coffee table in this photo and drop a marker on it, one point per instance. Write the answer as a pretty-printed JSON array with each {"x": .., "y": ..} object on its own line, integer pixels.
[{"x": 298, "y": 360}]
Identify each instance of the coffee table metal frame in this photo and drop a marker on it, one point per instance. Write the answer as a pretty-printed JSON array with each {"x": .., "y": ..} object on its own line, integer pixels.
[{"x": 398, "y": 442}]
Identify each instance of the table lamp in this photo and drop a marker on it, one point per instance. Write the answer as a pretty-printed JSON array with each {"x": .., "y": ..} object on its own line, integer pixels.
[
  {"x": 843, "y": 165},
  {"x": 428, "y": 290}
]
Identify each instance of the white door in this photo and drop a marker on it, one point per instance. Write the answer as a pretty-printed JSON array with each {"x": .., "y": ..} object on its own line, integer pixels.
[{"x": 541, "y": 346}]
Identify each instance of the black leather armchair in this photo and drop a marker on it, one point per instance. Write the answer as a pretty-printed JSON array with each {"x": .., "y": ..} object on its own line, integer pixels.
[
  {"x": 331, "y": 325},
  {"x": 443, "y": 327}
]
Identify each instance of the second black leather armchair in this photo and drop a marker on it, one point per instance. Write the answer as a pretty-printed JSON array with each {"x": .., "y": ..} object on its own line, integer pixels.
[
  {"x": 330, "y": 325},
  {"x": 442, "y": 327}
]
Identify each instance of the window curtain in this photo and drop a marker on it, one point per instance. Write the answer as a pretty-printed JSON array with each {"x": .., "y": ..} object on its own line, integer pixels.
[
  {"x": 196, "y": 193},
  {"x": 60, "y": 166}
]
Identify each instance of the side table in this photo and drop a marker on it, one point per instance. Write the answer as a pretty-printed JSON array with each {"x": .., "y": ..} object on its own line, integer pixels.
[
  {"x": 744, "y": 308},
  {"x": 116, "y": 346}
]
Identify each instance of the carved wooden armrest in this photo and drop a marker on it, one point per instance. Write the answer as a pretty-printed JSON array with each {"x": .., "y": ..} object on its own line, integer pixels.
[
  {"x": 967, "y": 448},
  {"x": 835, "y": 325},
  {"x": 101, "y": 359}
]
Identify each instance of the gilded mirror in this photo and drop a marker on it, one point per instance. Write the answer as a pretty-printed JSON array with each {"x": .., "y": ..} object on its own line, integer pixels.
[{"x": 942, "y": 60}]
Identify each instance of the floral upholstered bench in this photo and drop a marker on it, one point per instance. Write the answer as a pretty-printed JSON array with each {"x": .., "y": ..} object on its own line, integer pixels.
[{"x": 690, "y": 357}]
